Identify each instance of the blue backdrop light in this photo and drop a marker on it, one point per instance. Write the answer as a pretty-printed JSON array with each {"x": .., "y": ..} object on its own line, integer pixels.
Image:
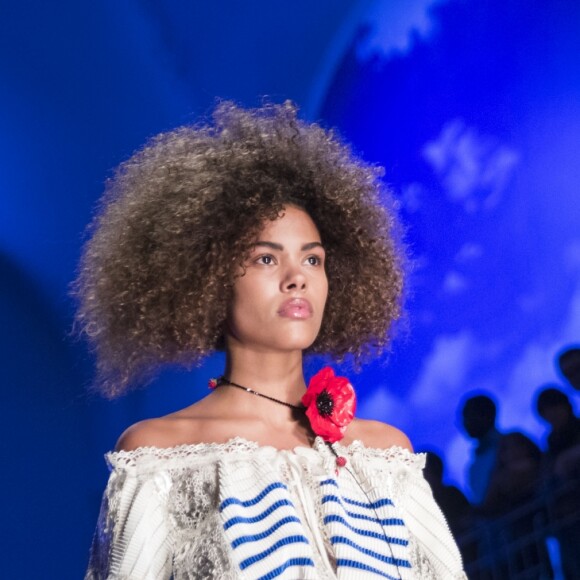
[{"x": 474, "y": 111}]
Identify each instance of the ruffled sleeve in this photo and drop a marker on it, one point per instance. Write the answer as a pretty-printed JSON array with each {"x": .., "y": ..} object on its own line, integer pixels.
[
  {"x": 428, "y": 526},
  {"x": 132, "y": 537},
  {"x": 434, "y": 552}
]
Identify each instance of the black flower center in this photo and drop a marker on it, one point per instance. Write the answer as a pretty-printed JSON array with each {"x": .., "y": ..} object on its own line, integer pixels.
[{"x": 324, "y": 404}]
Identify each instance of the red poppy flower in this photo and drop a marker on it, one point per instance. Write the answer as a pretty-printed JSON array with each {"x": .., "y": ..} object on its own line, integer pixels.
[{"x": 330, "y": 404}]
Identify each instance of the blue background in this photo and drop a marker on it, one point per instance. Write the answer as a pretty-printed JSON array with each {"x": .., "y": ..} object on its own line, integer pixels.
[{"x": 473, "y": 108}]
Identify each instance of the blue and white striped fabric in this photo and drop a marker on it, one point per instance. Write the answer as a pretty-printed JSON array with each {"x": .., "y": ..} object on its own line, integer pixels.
[
  {"x": 263, "y": 528},
  {"x": 270, "y": 540},
  {"x": 368, "y": 535}
]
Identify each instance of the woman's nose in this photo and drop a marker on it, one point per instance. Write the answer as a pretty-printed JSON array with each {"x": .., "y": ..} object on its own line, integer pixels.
[{"x": 294, "y": 279}]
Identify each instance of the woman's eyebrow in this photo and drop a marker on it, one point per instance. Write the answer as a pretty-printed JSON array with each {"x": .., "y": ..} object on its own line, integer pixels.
[
  {"x": 312, "y": 245},
  {"x": 272, "y": 245},
  {"x": 280, "y": 247}
]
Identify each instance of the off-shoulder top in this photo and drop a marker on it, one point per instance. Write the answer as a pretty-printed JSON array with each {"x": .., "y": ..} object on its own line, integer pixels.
[{"x": 238, "y": 510}]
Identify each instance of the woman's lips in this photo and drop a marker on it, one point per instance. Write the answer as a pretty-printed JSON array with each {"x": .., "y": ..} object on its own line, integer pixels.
[{"x": 297, "y": 308}]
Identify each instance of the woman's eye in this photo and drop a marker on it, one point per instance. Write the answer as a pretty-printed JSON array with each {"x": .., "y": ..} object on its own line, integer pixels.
[
  {"x": 266, "y": 260},
  {"x": 314, "y": 260}
]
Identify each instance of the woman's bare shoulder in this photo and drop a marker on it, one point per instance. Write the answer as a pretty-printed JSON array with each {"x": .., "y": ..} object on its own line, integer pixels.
[
  {"x": 194, "y": 424},
  {"x": 159, "y": 432},
  {"x": 379, "y": 435}
]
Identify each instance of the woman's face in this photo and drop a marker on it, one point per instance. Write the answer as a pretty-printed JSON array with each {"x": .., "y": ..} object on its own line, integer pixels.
[{"x": 279, "y": 301}]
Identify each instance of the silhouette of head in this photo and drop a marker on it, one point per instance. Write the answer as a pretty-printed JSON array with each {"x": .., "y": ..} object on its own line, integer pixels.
[
  {"x": 554, "y": 407},
  {"x": 433, "y": 469},
  {"x": 479, "y": 416},
  {"x": 569, "y": 363}
]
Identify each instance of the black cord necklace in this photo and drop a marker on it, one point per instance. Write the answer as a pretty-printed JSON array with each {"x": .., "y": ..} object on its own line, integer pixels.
[{"x": 223, "y": 381}]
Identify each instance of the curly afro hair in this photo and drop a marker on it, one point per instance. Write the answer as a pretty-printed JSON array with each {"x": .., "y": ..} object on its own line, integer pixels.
[{"x": 178, "y": 219}]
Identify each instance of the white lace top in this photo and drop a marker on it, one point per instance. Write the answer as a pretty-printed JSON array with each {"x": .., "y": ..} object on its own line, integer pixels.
[{"x": 240, "y": 510}]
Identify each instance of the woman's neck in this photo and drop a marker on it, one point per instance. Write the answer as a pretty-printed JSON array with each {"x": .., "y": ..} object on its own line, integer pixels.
[{"x": 276, "y": 374}]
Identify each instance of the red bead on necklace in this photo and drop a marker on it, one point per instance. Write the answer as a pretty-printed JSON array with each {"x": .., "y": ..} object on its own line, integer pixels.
[{"x": 340, "y": 462}]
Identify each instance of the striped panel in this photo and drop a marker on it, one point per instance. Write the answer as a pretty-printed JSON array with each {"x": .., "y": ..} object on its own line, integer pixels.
[
  {"x": 233, "y": 500},
  {"x": 343, "y": 563},
  {"x": 368, "y": 535},
  {"x": 291, "y": 563},
  {"x": 264, "y": 534},
  {"x": 364, "y": 532},
  {"x": 262, "y": 526}
]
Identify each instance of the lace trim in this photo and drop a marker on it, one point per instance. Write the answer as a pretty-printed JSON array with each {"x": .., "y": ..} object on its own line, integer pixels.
[
  {"x": 391, "y": 454},
  {"x": 239, "y": 445},
  {"x": 236, "y": 445}
]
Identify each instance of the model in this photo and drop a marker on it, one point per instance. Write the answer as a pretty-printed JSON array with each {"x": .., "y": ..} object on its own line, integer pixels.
[{"x": 265, "y": 237}]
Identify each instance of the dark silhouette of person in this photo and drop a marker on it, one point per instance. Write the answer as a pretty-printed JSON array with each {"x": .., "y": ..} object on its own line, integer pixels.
[
  {"x": 515, "y": 478},
  {"x": 479, "y": 414},
  {"x": 450, "y": 499},
  {"x": 569, "y": 363},
  {"x": 453, "y": 504},
  {"x": 517, "y": 518},
  {"x": 555, "y": 408},
  {"x": 563, "y": 474}
]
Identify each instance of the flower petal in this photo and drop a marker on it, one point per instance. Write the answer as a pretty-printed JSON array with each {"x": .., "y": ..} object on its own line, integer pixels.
[{"x": 332, "y": 427}]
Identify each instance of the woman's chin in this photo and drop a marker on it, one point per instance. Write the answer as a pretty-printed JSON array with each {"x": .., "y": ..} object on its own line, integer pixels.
[
  {"x": 283, "y": 339},
  {"x": 291, "y": 344},
  {"x": 297, "y": 341}
]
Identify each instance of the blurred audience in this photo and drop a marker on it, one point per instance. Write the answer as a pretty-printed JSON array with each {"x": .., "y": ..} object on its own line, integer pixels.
[
  {"x": 479, "y": 414},
  {"x": 520, "y": 497},
  {"x": 514, "y": 485}
]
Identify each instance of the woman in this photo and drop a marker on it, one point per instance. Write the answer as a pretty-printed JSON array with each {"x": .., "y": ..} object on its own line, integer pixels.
[{"x": 262, "y": 236}]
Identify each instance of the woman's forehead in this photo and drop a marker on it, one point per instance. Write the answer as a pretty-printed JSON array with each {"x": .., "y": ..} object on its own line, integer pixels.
[{"x": 293, "y": 224}]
